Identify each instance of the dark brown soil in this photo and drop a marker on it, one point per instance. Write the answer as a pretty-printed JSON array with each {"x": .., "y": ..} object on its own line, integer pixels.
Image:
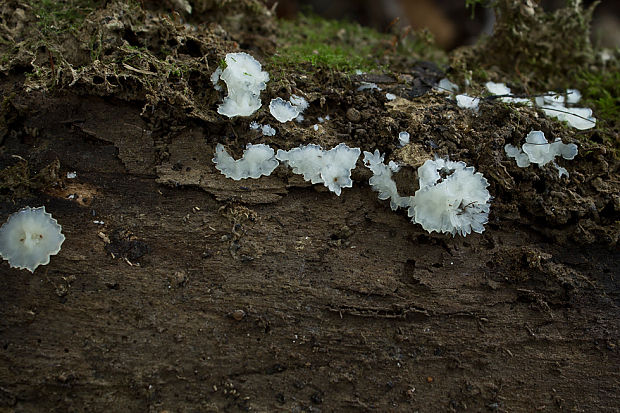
[{"x": 199, "y": 293}]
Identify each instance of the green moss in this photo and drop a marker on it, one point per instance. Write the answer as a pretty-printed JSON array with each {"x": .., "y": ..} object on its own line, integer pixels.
[
  {"x": 334, "y": 44},
  {"x": 341, "y": 45},
  {"x": 602, "y": 90},
  {"x": 57, "y": 16}
]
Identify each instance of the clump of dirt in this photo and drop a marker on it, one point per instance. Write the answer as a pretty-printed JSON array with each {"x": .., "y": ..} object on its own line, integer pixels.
[{"x": 122, "y": 243}]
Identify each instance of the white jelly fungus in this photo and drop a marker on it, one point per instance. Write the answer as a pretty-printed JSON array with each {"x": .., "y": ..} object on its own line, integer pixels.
[
  {"x": 555, "y": 105},
  {"x": 381, "y": 180},
  {"x": 403, "y": 138},
  {"x": 332, "y": 168},
  {"x": 282, "y": 110},
  {"x": 445, "y": 85},
  {"x": 368, "y": 86},
  {"x": 538, "y": 150},
  {"x": 257, "y": 160},
  {"x": 452, "y": 198},
  {"x": 266, "y": 130},
  {"x": 29, "y": 237},
  {"x": 245, "y": 80},
  {"x": 467, "y": 102}
]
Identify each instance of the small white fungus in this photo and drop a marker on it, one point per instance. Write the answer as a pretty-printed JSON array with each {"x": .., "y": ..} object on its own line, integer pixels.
[
  {"x": 257, "y": 160},
  {"x": 71, "y": 175},
  {"x": 268, "y": 130},
  {"x": 555, "y": 105},
  {"x": 390, "y": 96},
  {"x": 282, "y": 110},
  {"x": 245, "y": 80},
  {"x": 403, "y": 138},
  {"x": 445, "y": 85},
  {"x": 502, "y": 90},
  {"x": 497, "y": 88},
  {"x": 215, "y": 79},
  {"x": 455, "y": 203},
  {"x": 538, "y": 150},
  {"x": 467, "y": 102},
  {"x": 299, "y": 102},
  {"x": 29, "y": 237},
  {"x": 573, "y": 96},
  {"x": 367, "y": 86},
  {"x": 381, "y": 180},
  {"x": 332, "y": 168}
]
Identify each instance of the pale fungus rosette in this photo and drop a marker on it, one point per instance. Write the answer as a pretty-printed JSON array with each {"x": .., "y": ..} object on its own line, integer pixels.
[
  {"x": 29, "y": 237},
  {"x": 452, "y": 198}
]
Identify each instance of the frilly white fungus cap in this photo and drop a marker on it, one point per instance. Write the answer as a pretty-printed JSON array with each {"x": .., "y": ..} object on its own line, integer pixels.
[
  {"x": 456, "y": 204},
  {"x": 29, "y": 237},
  {"x": 403, "y": 138},
  {"x": 257, "y": 160},
  {"x": 504, "y": 91},
  {"x": 497, "y": 88},
  {"x": 332, "y": 168},
  {"x": 381, "y": 179},
  {"x": 245, "y": 80},
  {"x": 299, "y": 102},
  {"x": 467, "y": 102},
  {"x": 538, "y": 150},
  {"x": 554, "y": 105},
  {"x": 445, "y": 85},
  {"x": 282, "y": 110}
]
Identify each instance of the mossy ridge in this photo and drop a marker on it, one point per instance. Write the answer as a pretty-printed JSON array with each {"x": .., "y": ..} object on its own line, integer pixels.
[
  {"x": 57, "y": 16},
  {"x": 601, "y": 91},
  {"x": 541, "y": 50},
  {"x": 310, "y": 41}
]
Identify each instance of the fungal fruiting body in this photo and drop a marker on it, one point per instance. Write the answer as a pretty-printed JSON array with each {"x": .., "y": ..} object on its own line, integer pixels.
[
  {"x": 403, "y": 138},
  {"x": 452, "y": 198},
  {"x": 282, "y": 110},
  {"x": 257, "y": 160},
  {"x": 245, "y": 80},
  {"x": 266, "y": 130},
  {"x": 504, "y": 91},
  {"x": 538, "y": 150},
  {"x": 331, "y": 168},
  {"x": 29, "y": 237},
  {"x": 445, "y": 85},
  {"x": 467, "y": 102},
  {"x": 381, "y": 180},
  {"x": 555, "y": 105}
]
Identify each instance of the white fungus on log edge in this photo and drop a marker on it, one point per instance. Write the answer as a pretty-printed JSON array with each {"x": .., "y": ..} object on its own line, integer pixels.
[
  {"x": 538, "y": 150},
  {"x": 257, "y": 160},
  {"x": 244, "y": 79},
  {"x": 331, "y": 168},
  {"x": 282, "y": 110},
  {"x": 455, "y": 203},
  {"x": 381, "y": 180},
  {"x": 29, "y": 237}
]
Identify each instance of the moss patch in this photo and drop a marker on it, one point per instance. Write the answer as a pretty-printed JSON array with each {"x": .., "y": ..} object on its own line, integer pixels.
[
  {"x": 56, "y": 16},
  {"x": 343, "y": 46}
]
